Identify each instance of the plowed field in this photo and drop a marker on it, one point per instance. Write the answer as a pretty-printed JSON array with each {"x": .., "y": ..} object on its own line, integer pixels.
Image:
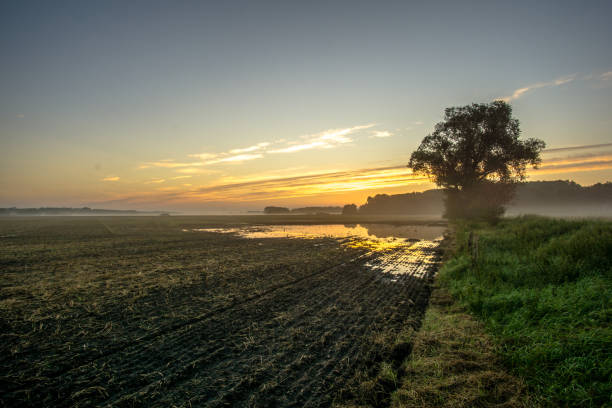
[{"x": 110, "y": 313}]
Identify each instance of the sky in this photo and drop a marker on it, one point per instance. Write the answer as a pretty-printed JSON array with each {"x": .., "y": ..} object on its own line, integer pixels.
[{"x": 215, "y": 106}]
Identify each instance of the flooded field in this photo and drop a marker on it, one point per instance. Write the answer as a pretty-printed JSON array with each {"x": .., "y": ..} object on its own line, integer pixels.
[
  {"x": 164, "y": 312},
  {"x": 365, "y": 231}
]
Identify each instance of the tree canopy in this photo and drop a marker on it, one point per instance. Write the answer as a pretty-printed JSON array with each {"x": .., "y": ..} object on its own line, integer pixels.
[{"x": 476, "y": 150}]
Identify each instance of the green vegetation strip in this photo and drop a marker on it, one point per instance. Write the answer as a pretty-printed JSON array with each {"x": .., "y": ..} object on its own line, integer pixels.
[
  {"x": 454, "y": 363},
  {"x": 543, "y": 288}
]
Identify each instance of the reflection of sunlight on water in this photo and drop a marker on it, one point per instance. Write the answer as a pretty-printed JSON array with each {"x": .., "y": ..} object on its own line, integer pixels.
[
  {"x": 383, "y": 235},
  {"x": 377, "y": 244},
  {"x": 398, "y": 252},
  {"x": 417, "y": 260}
]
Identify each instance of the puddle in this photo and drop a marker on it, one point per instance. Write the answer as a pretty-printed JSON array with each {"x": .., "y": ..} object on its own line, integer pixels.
[
  {"x": 369, "y": 232},
  {"x": 402, "y": 252},
  {"x": 416, "y": 261}
]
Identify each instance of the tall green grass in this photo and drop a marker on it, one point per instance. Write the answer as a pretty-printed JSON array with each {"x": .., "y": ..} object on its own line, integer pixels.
[{"x": 543, "y": 287}]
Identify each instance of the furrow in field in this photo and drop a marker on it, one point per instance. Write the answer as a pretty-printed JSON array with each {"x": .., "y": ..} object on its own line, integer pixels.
[
  {"x": 309, "y": 339},
  {"x": 88, "y": 356},
  {"x": 254, "y": 327},
  {"x": 292, "y": 344},
  {"x": 379, "y": 316},
  {"x": 107, "y": 321},
  {"x": 268, "y": 331},
  {"x": 167, "y": 345},
  {"x": 331, "y": 371},
  {"x": 316, "y": 383}
]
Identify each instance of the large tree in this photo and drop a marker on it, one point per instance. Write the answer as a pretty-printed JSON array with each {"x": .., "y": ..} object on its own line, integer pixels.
[{"x": 475, "y": 154}]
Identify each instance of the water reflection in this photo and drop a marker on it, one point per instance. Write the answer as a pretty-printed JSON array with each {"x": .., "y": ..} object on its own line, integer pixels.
[
  {"x": 400, "y": 252},
  {"x": 417, "y": 261},
  {"x": 375, "y": 232}
]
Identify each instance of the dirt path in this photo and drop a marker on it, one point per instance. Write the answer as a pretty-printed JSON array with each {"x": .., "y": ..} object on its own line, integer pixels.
[{"x": 295, "y": 344}]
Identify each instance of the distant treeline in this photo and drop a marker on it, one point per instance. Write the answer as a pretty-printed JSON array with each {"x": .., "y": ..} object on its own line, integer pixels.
[
  {"x": 68, "y": 211},
  {"x": 302, "y": 210},
  {"x": 427, "y": 202},
  {"x": 560, "y": 196}
]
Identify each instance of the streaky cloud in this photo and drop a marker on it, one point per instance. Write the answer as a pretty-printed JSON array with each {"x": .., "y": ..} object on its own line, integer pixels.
[
  {"x": 297, "y": 148},
  {"x": 606, "y": 76},
  {"x": 521, "y": 91},
  {"x": 236, "y": 159},
  {"x": 325, "y": 140},
  {"x": 169, "y": 164},
  {"x": 582, "y": 147},
  {"x": 382, "y": 134},
  {"x": 266, "y": 188},
  {"x": 253, "y": 148}
]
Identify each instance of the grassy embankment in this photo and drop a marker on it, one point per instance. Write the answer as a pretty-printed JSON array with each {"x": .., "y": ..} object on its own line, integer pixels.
[{"x": 543, "y": 288}]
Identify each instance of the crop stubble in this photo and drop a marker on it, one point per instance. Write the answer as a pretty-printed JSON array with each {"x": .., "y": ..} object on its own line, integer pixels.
[{"x": 198, "y": 318}]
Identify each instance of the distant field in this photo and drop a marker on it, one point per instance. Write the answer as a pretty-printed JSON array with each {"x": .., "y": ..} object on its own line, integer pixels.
[{"x": 134, "y": 311}]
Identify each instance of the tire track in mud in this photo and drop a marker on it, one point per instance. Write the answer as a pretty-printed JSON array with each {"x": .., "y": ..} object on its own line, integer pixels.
[
  {"x": 290, "y": 344},
  {"x": 142, "y": 341},
  {"x": 56, "y": 349},
  {"x": 251, "y": 377},
  {"x": 270, "y": 328},
  {"x": 309, "y": 341},
  {"x": 243, "y": 332},
  {"x": 380, "y": 305}
]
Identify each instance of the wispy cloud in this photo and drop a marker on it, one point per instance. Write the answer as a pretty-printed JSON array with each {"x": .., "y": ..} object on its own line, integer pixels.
[
  {"x": 253, "y": 189},
  {"x": 233, "y": 156},
  {"x": 581, "y": 147},
  {"x": 203, "y": 156},
  {"x": 168, "y": 164},
  {"x": 156, "y": 181},
  {"x": 562, "y": 168},
  {"x": 606, "y": 76},
  {"x": 299, "y": 147},
  {"x": 589, "y": 158},
  {"x": 180, "y": 177},
  {"x": 190, "y": 170},
  {"x": 325, "y": 140},
  {"x": 521, "y": 91},
  {"x": 236, "y": 159},
  {"x": 382, "y": 133},
  {"x": 253, "y": 148},
  {"x": 267, "y": 187},
  {"x": 111, "y": 178}
]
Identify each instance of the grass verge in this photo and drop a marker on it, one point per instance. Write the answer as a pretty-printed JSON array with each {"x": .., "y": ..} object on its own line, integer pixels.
[
  {"x": 543, "y": 289},
  {"x": 454, "y": 363}
]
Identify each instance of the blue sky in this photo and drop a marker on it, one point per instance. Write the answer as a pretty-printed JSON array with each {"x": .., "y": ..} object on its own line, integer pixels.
[{"x": 99, "y": 97}]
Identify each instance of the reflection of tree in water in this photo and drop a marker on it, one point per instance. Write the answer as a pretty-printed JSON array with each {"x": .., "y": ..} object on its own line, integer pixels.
[
  {"x": 405, "y": 231},
  {"x": 350, "y": 225}
]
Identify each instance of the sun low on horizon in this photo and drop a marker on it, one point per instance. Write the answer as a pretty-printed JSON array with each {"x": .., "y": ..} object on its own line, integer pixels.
[{"x": 212, "y": 106}]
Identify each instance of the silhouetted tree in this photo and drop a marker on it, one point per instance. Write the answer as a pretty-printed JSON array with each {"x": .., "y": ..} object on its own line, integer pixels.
[
  {"x": 475, "y": 154},
  {"x": 276, "y": 210},
  {"x": 349, "y": 209}
]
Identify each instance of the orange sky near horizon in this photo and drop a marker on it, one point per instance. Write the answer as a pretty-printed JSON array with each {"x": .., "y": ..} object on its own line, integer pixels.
[{"x": 334, "y": 187}]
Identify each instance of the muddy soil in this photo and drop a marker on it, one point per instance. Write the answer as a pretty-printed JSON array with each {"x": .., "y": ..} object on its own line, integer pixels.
[{"x": 293, "y": 338}]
